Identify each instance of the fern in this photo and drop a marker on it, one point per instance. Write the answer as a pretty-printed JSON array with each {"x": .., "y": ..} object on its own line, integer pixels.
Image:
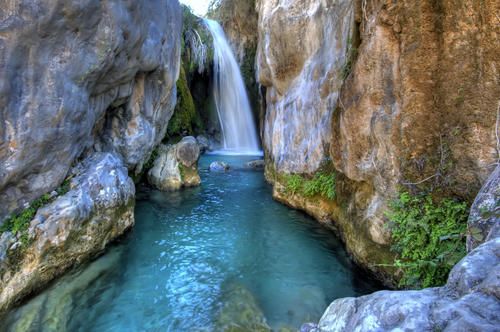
[{"x": 428, "y": 237}]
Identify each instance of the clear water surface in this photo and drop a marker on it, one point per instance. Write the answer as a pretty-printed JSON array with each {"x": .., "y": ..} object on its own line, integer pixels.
[{"x": 204, "y": 259}]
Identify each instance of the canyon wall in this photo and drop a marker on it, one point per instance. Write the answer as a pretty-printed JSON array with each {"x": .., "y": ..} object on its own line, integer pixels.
[
  {"x": 389, "y": 96},
  {"x": 86, "y": 93},
  {"x": 77, "y": 77}
]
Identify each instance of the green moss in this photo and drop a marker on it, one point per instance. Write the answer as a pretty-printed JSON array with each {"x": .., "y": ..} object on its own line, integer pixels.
[
  {"x": 182, "y": 171},
  {"x": 321, "y": 184},
  {"x": 428, "y": 237},
  {"x": 185, "y": 118},
  {"x": 19, "y": 223}
]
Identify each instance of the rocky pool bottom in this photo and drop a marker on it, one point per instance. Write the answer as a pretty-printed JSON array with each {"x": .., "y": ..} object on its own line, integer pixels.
[{"x": 223, "y": 256}]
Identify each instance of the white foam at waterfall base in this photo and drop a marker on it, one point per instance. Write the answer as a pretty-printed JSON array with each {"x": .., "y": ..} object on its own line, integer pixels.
[{"x": 239, "y": 133}]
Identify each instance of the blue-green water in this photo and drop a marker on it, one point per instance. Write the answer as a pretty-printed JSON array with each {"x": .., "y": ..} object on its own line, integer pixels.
[{"x": 224, "y": 254}]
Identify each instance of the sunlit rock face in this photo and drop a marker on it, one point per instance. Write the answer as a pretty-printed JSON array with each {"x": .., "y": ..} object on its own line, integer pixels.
[
  {"x": 302, "y": 49},
  {"x": 79, "y": 77},
  {"x": 395, "y": 94}
]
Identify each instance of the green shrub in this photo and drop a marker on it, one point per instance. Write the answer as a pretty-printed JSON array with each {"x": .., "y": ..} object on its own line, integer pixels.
[
  {"x": 322, "y": 184},
  {"x": 428, "y": 237},
  {"x": 293, "y": 183}
]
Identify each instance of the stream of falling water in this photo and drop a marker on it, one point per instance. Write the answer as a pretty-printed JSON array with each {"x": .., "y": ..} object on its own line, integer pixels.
[{"x": 239, "y": 133}]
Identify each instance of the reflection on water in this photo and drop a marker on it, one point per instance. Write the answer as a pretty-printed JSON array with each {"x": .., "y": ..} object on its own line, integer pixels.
[{"x": 224, "y": 256}]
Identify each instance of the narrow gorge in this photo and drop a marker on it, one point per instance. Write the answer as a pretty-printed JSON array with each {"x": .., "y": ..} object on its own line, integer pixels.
[{"x": 249, "y": 165}]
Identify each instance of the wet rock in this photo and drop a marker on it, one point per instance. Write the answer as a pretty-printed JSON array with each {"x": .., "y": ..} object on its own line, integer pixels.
[
  {"x": 72, "y": 229},
  {"x": 218, "y": 166},
  {"x": 82, "y": 76},
  {"x": 485, "y": 212},
  {"x": 188, "y": 151},
  {"x": 203, "y": 143},
  {"x": 257, "y": 165},
  {"x": 54, "y": 310},
  {"x": 240, "y": 311},
  {"x": 301, "y": 87},
  {"x": 176, "y": 166}
]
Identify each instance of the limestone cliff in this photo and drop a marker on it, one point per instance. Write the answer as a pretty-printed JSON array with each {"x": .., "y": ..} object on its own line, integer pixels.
[
  {"x": 77, "y": 77},
  {"x": 388, "y": 95},
  {"x": 86, "y": 92}
]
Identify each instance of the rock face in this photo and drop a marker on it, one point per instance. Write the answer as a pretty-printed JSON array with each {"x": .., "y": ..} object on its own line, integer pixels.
[
  {"x": 485, "y": 213},
  {"x": 469, "y": 301},
  {"x": 359, "y": 97},
  {"x": 72, "y": 229},
  {"x": 89, "y": 83},
  {"x": 80, "y": 77},
  {"x": 176, "y": 166}
]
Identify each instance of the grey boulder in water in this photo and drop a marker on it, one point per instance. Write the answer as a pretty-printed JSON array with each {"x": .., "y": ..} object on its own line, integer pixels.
[
  {"x": 176, "y": 166},
  {"x": 218, "y": 166},
  {"x": 257, "y": 165}
]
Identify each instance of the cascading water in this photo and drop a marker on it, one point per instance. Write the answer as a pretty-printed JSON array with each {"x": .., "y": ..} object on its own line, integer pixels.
[{"x": 239, "y": 133}]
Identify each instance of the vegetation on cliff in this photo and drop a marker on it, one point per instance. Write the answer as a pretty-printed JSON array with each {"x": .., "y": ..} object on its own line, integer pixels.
[
  {"x": 185, "y": 118},
  {"x": 428, "y": 237},
  {"x": 322, "y": 184}
]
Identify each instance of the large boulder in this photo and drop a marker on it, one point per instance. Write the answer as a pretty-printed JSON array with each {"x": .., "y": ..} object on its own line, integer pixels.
[
  {"x": 81, "y": 76},
  {"x": 188, "y": 151},
  {"x": 75, "y": 227},
  {"x": 176, "y": 166}
]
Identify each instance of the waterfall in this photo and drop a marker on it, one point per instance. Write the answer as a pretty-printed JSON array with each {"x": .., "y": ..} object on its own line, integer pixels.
[{"x": 239, "y": 133}]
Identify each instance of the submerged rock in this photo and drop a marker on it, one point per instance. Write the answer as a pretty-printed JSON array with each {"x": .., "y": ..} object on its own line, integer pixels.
[
  {"x": 218, "y": 166},
  {"x": 74, "y": 228},
  {"x": 256, "y": 164},
  {"x": 240, "y": 312},
  {"x": 176, "y": 166}
]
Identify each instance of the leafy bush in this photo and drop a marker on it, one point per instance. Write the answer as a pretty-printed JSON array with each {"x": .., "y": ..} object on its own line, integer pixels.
[
  {"x": 428, "y": 237},
  {"x": 294, "y": 183},
  {"x": 322, "y": 184}
]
